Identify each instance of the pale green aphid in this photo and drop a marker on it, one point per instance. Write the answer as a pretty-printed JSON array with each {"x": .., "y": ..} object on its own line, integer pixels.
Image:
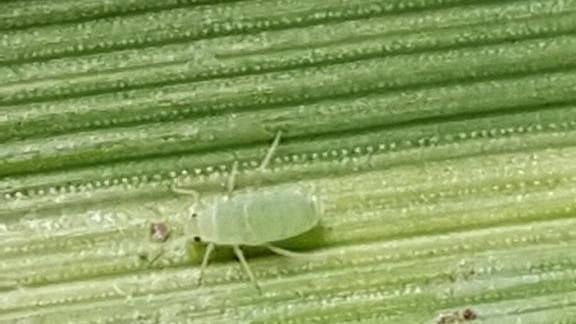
[{"x": 253, "y": 217}]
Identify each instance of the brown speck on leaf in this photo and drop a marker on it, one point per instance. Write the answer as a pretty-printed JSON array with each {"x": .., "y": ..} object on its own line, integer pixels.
[
  {"x": 457, "y": 317},
  {"x": 159, "y": 232},
  {"x": 468, "y": 314}
]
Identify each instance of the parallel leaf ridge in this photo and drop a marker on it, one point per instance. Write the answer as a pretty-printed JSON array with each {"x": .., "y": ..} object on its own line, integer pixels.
[{"x": 439, "y": 134}]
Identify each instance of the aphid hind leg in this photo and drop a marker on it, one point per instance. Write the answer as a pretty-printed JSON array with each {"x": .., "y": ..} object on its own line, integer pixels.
[
  {"x": 270, "y": 153},
  {"x": 205, "y": 259},
  {"x": 290, "y": 254},
  {"x": 246, "y": 267}
]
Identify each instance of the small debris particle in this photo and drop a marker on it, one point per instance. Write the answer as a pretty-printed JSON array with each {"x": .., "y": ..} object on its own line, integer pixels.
[
  {"x": 159, "y": 232},
  {"x": 457, "y": 317}
]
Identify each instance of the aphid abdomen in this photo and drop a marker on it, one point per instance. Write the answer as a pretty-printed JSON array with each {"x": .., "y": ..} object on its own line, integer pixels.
[
  {"x": 259, "y": 217},
  {"x": 280, "y": 213}
]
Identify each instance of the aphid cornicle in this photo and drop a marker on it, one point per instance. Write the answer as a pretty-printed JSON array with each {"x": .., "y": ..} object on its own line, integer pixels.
[{"x": 253, "y": 217}]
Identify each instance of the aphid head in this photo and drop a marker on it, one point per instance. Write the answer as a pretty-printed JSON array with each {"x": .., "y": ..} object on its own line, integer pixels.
[
  {"x": 192, "y": 226},
  {"x": 195, "y": 229},
  {"x": 195, "y": 211}
]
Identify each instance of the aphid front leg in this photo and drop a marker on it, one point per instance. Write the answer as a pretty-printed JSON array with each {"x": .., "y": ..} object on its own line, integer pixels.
[
  {"x": 155, "y": 257},
  {"x": 209, "y": 250},
  {"x": 246, "y": 267}
]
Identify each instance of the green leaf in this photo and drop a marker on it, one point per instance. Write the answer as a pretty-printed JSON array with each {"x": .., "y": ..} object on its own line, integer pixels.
[{"x": 439, "y": 136}]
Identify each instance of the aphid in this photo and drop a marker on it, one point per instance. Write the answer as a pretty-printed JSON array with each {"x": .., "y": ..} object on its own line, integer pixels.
[
  {"x": 253, "y": 217},
  {"x": 457, "y": 317},
  {"x": 159, "y": 232}
]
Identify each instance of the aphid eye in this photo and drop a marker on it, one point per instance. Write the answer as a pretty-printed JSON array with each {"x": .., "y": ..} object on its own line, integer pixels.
[
  {"x": 194, "y": 215},
  {"x": 197, "y": 239}
]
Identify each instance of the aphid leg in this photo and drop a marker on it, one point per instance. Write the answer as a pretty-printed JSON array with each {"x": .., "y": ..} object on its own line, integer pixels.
[
  {"x": 270, "y": 152},
  {"x": 209, "y": 250},
  {"x": 232, "y": 178},
  {"x": 240, "y": 257},
  {"x": 156, "y": 257},
  {"x": 291, "y": 254}
]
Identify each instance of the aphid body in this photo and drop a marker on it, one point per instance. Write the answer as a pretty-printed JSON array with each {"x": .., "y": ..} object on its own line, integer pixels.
[{"x": 257, "y": 217}]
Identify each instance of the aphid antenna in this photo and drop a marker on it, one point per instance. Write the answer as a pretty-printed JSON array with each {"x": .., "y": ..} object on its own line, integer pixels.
[
  {"x": 154, "y": 210},
  {"x": 266, "y": 161},
  {"x": 191, "y": 192},
  {"x": 232, "y": 178}
]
